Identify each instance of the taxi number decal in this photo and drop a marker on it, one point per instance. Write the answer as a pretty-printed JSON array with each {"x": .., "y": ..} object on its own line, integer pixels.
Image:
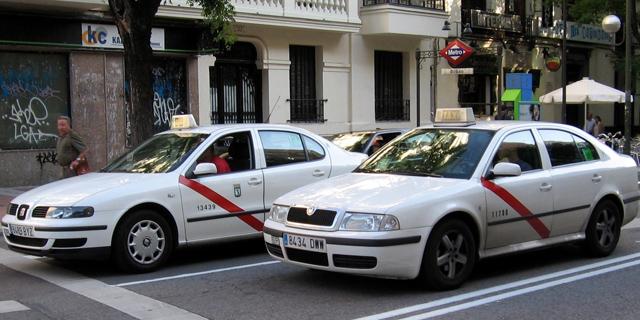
[
  {"x": 222, "y": 202},
  {"x": 206, "y": 207},
  {"x": 520, "y": 208}
]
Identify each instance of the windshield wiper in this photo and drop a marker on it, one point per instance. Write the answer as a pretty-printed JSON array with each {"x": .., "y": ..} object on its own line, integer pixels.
[
  {"x": 363, "y": 170},
  {"x": 414, "y": 173}
]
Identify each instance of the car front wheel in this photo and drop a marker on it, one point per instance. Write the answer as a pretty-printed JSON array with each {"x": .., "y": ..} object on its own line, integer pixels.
[
  {"x": 449, "y": 257},
  {"x": 142, "y": 242}
]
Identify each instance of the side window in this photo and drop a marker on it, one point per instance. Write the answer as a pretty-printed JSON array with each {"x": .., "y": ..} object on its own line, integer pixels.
[
  {"x": 230, "y": 153},
  {"x": 282, "y": 147},
  {"x": 519, "y": 148},
  {"x": 587, "y": 150},
  {"x": 314, "y": 150},
  {"x": 563, "y": 149}
]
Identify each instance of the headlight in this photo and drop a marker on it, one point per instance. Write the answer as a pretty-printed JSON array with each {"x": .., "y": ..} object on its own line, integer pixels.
[
  {"x": 69, "y": 212},
  {"x": 369, "y": 222},
  {"x": 278, "y": 213}
]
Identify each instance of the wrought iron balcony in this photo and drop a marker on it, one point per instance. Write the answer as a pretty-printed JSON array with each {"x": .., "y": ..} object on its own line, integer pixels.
[
  {"x": 307, "y": 110},
  {"x": 427, "y": 4},
  {"x": 392, "y": 109}
]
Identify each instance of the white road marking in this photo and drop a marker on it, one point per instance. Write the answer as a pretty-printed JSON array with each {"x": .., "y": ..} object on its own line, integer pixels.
[
  {"x": 522, "y": 291},
  {"x": 11, "y": 306},
  {"x": 186, "y": 275},
  {"x": 482, "y": 292},
  {"x": 129, "y": 302}
]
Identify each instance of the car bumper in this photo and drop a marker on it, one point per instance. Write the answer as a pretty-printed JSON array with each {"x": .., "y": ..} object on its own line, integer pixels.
[
  {"x": 396, "y": 254},
  {"x": 73, "y": 238}
]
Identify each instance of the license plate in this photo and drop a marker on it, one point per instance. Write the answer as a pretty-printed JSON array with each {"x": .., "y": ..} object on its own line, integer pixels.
[
  {"x": 22, "y": 231},
  {"x": 304, "y": 243}
]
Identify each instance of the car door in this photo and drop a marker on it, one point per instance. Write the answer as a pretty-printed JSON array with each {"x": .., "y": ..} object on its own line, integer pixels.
[
  {"x": 224, "y": 204},
  {"x": 517, "y": 206},
  {"x": 292, "y": 160},
  {"x": 576, "y": 178}
]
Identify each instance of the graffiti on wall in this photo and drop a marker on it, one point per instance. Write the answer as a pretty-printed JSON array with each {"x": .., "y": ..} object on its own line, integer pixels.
[
  {"x": 47, "y": 157},
  {"x": 33, "y": 93}
]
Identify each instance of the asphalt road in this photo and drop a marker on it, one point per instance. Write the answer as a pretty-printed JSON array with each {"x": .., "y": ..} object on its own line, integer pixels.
[{"x": 240, "y": 281}]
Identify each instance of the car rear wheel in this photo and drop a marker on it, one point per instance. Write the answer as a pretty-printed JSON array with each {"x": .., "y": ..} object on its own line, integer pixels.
[
  {"x": 603, "y": 230},
  {"x": 142, "y": 242},
  {"x": 449, "y": 256}
]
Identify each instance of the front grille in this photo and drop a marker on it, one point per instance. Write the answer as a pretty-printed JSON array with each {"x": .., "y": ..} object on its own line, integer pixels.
[
  {"x": 275, "y": 250},
  {"x": 32, "y": 242},
  {"x": 39, "y": 212},
  {"x": 13, "y": 208},
  {"x": 320, "y": 217},
  {"x": 22, "y": 212},
  {"x": 310, "y": 257},
  {"x": 354, "y": 262},
  {"x": 69, "y": 243}
]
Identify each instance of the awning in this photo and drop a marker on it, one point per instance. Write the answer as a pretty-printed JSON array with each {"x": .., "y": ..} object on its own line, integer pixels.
[{"x": 511, "y": 95}]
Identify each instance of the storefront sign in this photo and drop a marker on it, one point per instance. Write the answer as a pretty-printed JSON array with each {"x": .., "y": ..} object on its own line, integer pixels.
[
  {"x": 107, "y": 36},
  {"x": 579, "y": 32},
  {"x": 456, "y": 52},
  {"x": 552, "y": 63},
  {"x": 457, "y": 71}
]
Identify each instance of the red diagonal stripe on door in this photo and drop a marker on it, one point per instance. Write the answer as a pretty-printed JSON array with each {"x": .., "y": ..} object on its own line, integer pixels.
[
  {"x": 222, "y": 202},
  {"x": 520, "y": 208}
]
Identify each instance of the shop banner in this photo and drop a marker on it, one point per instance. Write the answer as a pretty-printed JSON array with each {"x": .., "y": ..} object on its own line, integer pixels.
[{"x": 107, "y": 36}]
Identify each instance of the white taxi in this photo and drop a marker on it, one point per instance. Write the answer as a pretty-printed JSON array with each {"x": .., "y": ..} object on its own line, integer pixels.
[
  {"x": 433, "y": 201},
  {"x": 172, "y": 191}
]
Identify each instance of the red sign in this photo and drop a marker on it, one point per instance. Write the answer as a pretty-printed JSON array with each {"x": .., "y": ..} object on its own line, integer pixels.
[{"x": 456, "y": 52}]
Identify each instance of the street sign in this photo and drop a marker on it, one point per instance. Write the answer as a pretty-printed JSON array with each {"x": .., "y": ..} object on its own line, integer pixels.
[
  {"x": 456, "y": 52},
  {"x": 457, "y": 71}
]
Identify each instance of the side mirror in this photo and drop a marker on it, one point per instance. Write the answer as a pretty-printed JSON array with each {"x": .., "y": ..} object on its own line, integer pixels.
[
  {"x": 205, "y": 168},
  {"x": 506, "y": 169}
]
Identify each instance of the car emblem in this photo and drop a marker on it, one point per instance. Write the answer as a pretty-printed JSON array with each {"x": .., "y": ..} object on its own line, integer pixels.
[
  {"x": 22, "y": 213},
  {"x": 310, "y": 211}
]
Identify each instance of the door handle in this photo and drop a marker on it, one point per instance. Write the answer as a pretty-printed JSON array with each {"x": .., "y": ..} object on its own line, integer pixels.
[
  {"x": 254, "y": 181},
  {"x": 318, "y": 173},
  {"x": 596, "y": 178},
  {"x": 545, "y": 187}
]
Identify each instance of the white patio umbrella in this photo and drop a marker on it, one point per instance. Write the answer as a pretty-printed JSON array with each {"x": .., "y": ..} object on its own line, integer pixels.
[{"x": 585, "y": 91}]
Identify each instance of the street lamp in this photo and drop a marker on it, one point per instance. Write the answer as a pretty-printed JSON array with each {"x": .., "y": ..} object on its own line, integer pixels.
[{"x": 611, "y": 24}]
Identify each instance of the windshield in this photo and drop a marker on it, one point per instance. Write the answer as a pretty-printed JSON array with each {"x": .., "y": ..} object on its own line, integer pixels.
[
  {"x": 161, "y": 153},
  {"x": 352, "y": 141},
  {"x": 449, "y": 153}
]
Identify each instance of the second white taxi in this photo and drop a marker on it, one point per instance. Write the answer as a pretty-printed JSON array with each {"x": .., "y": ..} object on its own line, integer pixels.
[
  {"x": 433, "y": 201},
  {"x": 185, "y": 186}
]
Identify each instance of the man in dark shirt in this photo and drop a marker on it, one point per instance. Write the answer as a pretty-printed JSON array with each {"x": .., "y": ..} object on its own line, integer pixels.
[{"x": 71, "y": 148}]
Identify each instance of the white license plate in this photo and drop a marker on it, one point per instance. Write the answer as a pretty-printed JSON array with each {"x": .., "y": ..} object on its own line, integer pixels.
[
  {"x": 304, "y": 243},
  {"x": 22, "y": 231}
]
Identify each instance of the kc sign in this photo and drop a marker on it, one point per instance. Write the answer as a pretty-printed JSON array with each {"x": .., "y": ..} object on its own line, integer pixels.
[{"x": 456, "y": 52}]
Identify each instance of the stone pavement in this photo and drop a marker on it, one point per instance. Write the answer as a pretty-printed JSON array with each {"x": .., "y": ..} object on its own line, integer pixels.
[{"x": 6, "y": 194}]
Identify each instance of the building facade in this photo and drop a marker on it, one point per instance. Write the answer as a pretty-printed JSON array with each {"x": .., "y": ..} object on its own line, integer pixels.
[{"x": 328, "y": 66}]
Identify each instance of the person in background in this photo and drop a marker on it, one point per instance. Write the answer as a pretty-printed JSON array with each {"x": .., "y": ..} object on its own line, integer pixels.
[
  {"x": 590, "y": 124},
  {"x": 71, "y": 148},
  {"x": 599, "y": 127}
]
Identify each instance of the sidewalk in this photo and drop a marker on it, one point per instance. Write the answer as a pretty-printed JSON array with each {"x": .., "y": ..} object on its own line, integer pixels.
[{"x": 6, "y": 194}]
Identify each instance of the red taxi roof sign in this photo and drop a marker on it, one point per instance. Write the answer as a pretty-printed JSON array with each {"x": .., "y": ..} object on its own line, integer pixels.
[
  {"x": 454, "y": 116},
  {"x": 456, "y": 52},
  {"x": 183, "y": 121}
]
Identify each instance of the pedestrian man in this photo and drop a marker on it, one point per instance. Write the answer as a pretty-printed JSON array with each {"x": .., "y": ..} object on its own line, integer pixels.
[
  {"x": 71, "y": 148},
  {"x": 590, "y": 124}
]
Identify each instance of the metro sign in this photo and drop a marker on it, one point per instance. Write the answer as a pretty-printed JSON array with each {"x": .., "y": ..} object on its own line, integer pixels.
[{"x": 456, "y": 52}]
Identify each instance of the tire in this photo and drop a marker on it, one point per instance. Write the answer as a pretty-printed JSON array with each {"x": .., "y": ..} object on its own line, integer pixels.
[
  {"x": 142, "y": 242},
  {"x": 603, "y": 230},
  {"x": 453, "y": 242}
]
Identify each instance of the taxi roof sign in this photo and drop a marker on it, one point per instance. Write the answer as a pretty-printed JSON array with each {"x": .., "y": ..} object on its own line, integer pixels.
[
  {"x": 454, "y": 116},
  {"x": 183, "y": 121}
]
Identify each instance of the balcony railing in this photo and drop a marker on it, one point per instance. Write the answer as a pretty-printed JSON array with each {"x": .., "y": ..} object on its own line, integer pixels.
[
  {"x": 307, "y": 110},
  {"x": 392, "y": 109},
  {"x": 427, "y": 4}
]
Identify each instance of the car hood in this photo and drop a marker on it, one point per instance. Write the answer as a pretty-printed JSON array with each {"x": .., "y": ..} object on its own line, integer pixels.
[
  {"x": 69, "y": 191},
  {"x": 370, "y": 192}
]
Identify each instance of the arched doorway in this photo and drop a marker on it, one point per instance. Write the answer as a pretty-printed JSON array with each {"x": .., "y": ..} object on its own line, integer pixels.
[{"x": 235, "y": 86}]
